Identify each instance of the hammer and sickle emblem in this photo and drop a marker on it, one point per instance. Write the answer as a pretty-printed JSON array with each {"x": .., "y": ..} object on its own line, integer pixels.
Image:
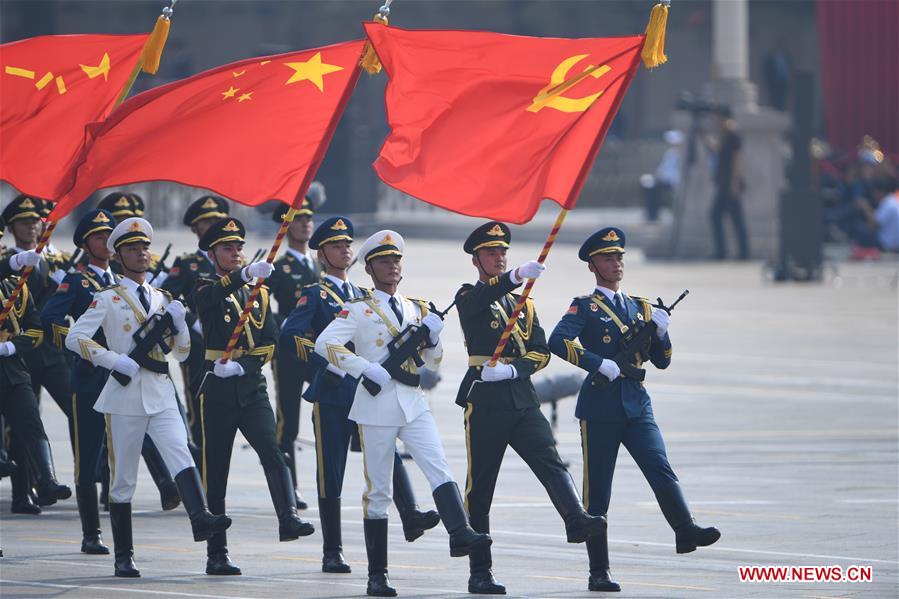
[{"x": 552, "y": 96}]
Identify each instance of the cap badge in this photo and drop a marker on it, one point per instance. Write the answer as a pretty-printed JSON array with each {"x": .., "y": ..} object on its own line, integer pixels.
[
  {"x": 339, "y": 225},
  {"x": 611, "y": 236},
  {"x": 231, "y": 227},
  {"x": 496, "y": 231},
  {"x": 101, "y": 218},
  {"x": 209, "y": 204}
]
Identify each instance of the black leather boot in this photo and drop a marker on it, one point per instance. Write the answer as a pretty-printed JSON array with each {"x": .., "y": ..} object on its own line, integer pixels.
[
  {"x": 579, "y": 525},
  {"x": 22, "y": 498},
  {"x": 290, "y": 525},
  {"x": 120, "y": 519},
  {"x": 480, "y": 562},
  {"x": 332, "y": 539},
  {"x": 462, "y": 538},
  {"x": 8, "y": 466},
  {"x": 291, "y": 459},
  {"x": 415, "y": 522},
  {"x": 89, "y": 512},
  {"x": 688, "y": 536},
  {"x": 49, "y": 491},
  {"x": 203, "y": 523},
  {"x": 217, "y": 561},
  {"x": 376, "y": 548},
  {"x": 600, "y": 575},
  {"x": 162, "y": 478}
]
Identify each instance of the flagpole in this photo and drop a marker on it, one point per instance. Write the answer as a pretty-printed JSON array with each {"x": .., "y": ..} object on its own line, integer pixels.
[
  {"x": 238, "y": 329},
  {"x": 152, "y": 50},
  {"x": 513, "y": 317}
]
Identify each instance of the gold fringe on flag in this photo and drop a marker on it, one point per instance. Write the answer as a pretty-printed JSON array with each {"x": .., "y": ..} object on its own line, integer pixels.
[
  {"x": 654, "y": 47},
  {"x": 370, "y": 61},
  {"x": 152, "y": 53}
]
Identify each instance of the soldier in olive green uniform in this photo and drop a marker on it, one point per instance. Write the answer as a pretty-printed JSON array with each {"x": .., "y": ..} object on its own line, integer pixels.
[
  {"x": 233, "y": 397},
  {"x": 182, "y": 281},
  {"x": 293, "y": 271},
  {"x": 501, "y": 406}
]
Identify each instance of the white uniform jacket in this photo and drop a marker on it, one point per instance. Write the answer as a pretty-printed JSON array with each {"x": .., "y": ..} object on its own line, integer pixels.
[
  {"x": 118, "y": 311},
  {"x": 362, "y": 322}
]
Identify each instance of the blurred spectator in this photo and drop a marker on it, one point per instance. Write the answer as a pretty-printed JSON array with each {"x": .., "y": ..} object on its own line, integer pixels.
[
  {"x": 729, "y": 187},
  {"x": 659, "y": 189},
  {"x": 880, "y": 227},
  {"x": 778, "y": 70}
]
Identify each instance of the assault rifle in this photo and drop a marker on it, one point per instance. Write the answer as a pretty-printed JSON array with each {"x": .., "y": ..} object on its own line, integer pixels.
[
  {"x": 407, "y": 344},
  {"x": 634, "y": 345},
  {"x": 150, "y": 335},
  {"x": 160, "y": 266}
]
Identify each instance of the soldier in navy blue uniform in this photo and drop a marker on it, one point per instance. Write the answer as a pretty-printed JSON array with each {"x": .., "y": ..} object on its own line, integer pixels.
[
  {"x": 181, "y": 282},
  {"x": 618, "y": 411},
  {"x": 295, "y": 269},
  {"x": 331, "y": 392}
]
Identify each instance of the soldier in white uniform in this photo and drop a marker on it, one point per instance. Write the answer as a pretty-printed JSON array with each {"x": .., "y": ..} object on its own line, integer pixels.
[
  {"x": 398, "y": 411},
  {"x": 147, "y": 403}
]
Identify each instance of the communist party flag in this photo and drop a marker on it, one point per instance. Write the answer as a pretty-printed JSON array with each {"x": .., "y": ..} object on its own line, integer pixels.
[
  {"x": 488, "y": 125},
  {"x": 50, "y": 88},
  {"x": 251, "y": 131}
]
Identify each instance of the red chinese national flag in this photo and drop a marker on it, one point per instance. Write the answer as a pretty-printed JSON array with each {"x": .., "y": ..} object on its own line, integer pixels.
[
  {"x": 251, "y": 130},
  {"x": 488, "y": 125},
  {"x": 50, "y": 88}
]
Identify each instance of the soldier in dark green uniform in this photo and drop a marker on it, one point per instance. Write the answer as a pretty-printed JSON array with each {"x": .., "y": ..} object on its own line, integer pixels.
[
  {"x": 47, "y": 365},
  {"x": 293, "y": 271},
  {"x": 181, "y": 282},
  {"x": 233, "y": 396},
  {"x": 21, "y": 334},
  {"x": 501, "y": 407}
]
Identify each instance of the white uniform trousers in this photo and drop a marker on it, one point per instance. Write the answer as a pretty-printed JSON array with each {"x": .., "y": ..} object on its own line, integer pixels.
[
  {"x": 166, "y": 428},
  {"x": 422, "y": 441}
]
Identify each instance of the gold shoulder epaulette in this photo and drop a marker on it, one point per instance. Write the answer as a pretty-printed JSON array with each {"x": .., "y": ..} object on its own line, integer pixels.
[
  {"x": 166, "y": 294},
  {"x": 356, "y": 300}
]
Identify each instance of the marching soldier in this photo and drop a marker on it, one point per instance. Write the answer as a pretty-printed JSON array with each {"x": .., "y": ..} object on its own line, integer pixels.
[
  {"x": 501, "y": 406},
  {"x": 234, "y": 396},
  {"x": 19, "y": 335},
  {"x": 141, "y": 398},
  {"x": 181, "y": 282},
  {"x": 398, "y": 410},
  {"x": 331, "y": 391},
  {"x": 87, "y": 427},
  {"x": 47, "y": 365},
  {"x": 618, "y": 411},
  {"x": 293, "y": 271}
]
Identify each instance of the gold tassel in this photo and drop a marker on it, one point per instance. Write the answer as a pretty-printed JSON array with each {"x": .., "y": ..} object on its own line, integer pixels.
[
  {"x": 152, "y": 52},
  {"x": 654, "y": 47},
  {"x": 370, "y": 60}
]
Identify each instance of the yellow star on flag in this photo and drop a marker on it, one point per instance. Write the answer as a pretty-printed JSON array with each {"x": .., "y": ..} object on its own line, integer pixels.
[
  {"x": 100, "y": 69},
  {"x": 246, "y": 96},
  {"x": 230, "y": 93},
  {"x": 313, "y": 70}
]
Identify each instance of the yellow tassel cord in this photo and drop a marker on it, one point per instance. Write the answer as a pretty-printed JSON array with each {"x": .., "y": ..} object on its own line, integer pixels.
[
  {"x": 152, "y": 52},
  {"x": 370, "y": 61},
  {"x": 654, "y": 47}
]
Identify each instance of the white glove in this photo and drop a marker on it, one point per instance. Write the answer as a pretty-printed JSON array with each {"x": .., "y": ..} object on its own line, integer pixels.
[
  {"x": 500, "y": 372},
  {"x": 257, "y": 270},
  {"x": 176, "y": 309},
  {"x": 662, "y": 320},
  {"x": 125, "y": 365},
  {"x": 434, "y": 324},
  {"x": 28, "y": 258},
  {"x": 530, "y": 270},
  {"x": 609, "y": 369},
  {"x": 7, "y": 348},
  {"x": 376, "y": 373},
  {"x": 225, "y": 370}
]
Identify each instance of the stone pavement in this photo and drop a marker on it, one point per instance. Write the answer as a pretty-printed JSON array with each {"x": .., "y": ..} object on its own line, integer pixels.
[{"x": 779, "y": 412}]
